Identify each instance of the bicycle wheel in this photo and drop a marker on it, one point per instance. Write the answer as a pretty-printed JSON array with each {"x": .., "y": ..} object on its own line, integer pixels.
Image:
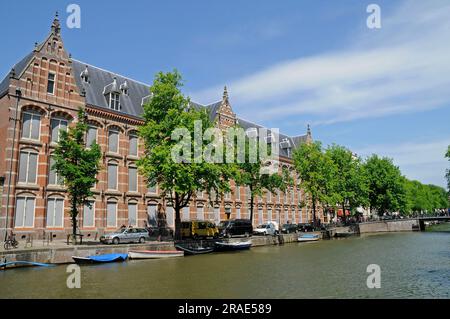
[{"x": 6, "y": 246}]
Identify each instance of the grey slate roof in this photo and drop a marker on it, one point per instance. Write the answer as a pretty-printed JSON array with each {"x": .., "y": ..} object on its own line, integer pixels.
[
  {"x": 101, "y": 81},
  {"x": 18, "y": 69}
]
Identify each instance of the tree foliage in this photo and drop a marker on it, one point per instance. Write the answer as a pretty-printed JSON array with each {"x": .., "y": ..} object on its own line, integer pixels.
[
  {"x": 448, "y": 170},
  {"x": 385, "y": 182},
  {"x": 167, "y": 110},
  {"x": 316, "y": 171},
  {"x": 349, "y": 185},
  {"x": 77, "y": 165}
]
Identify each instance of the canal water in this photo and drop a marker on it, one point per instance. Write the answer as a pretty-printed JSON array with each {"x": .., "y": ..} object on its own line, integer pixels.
[{"x": 413, "y": 265}]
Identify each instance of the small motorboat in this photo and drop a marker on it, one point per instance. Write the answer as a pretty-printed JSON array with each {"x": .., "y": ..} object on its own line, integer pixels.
[
  {"x": 98, "y": 259},
  {"x": 231, "y": 246},
  {"x": 153, "y": 254},
  {"x": 308, "y": 237},
  {"x": 343, "y": 234},
  {"x": 192, "y": 250}
]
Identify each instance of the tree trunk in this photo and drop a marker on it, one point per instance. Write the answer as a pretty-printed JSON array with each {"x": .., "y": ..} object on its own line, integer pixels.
[
  {"x": 251, "y": 206},
  {"x": 344, "y": 218},
  {"x": 314, "y": 212},
  {"x": 74, "y": 221},
  {"x": 177, "y": 217}
]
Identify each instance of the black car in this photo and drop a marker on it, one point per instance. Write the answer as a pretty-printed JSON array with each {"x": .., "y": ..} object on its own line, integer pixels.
[
  {"x": 154, "y": 231},
  {"x": 236, "y": 227},
  {"x": 305, "y": 228},
  {"x": 289, "y": 228}
]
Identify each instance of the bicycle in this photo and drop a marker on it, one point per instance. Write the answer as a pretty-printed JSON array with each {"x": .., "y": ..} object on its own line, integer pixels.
[{"x": 11, "y": 242}]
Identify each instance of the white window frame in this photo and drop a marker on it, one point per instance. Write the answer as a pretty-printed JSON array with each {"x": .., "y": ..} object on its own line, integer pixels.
[
  {"x": 117, "y": 175},
  {"x": 59, "y": 119},
  {"x": 116, "y": 206},
  {"x": 93, "y": 215},
  {"x": 32, "y": 114},
  {"x": 118, "y": 141},
  {"x": 96, "y": 135},
  {"x": 25, "y": 210},
  {"x": 137, "y": 145},
  {"x": 114, "y": 101},
  {"x": 28, "y": 166},
  {"x": 55, "y": 199},
  {"x": 137, "y": 213},
  {"x": 136, "y": 188}
]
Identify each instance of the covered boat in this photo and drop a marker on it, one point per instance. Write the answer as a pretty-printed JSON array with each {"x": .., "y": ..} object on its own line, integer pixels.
[
  {"x": 153, "y": 254},
  {"x": 308, "y": 237},
  {"x": 97, "y": 259},
  {"x": 19, "y": 263},
  {"x": 230, "y": 246}
]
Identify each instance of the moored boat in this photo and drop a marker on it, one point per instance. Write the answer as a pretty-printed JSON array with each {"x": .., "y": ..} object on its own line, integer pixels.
[
  {"x": 98, "y": 259},
  {"x": 18, "y": 263},
  {"x": 153, "y": 254},
  {"x": 308, "y": 237},
  {"x": 231, "y": 246},
  {"x": 190, "y": 250}
]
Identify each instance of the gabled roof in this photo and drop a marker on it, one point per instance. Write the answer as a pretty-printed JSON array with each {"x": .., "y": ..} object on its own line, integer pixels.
[{"x": 18, "y": 69}]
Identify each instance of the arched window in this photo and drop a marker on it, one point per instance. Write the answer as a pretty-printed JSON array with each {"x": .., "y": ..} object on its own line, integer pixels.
[
  {"x": 111, "y": 214},
  {"x": 132, "y": 179},
  {"x": 133, "y": 213},
  {"x": 58, "y": 124},
  {"x": 89, "y": 214},
  {"x": 113, "y": 140}
]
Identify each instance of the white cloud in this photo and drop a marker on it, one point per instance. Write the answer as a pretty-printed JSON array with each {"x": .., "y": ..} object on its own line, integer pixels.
[
  {"x": 403, "y": 68},
  {"x": 423, "y": 161}
]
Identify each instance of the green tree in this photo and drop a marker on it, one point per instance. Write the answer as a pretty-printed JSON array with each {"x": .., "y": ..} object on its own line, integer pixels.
[
  {"x": 166, "y": 111},
  {"x": 316, "y": 171},
  {"x": 386, "y": 185},
  {"x": 249, "y": 175},
  {"x": 350, "y": 186},
  {"x": 77, "y": 165}
]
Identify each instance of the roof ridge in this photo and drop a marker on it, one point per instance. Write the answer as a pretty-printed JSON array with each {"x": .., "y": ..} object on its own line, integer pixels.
[{"x": 114, "y": 73}]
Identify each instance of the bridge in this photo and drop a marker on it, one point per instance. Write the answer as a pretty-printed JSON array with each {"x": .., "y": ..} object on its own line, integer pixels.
[{"x": 424, "y": 219}]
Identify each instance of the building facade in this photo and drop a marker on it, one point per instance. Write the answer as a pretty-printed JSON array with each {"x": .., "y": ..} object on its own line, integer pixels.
[{"x": 42, "y": 94}]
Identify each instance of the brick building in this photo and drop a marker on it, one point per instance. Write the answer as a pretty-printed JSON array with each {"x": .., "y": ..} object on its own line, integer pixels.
[{"x": 42, "y": 94}]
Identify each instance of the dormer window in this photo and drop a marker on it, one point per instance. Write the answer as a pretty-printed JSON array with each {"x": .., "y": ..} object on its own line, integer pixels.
[
  {"x": 270, "y": 138},
  {"x": 285, "y": 143},
  {"x": 114, "y": 101},
  {"x": 112, "y": 94},
  {"x": 252, "y": 132}
]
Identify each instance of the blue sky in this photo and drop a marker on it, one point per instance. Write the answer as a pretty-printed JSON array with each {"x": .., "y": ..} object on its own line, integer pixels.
[{"x": 286, "y": 63}]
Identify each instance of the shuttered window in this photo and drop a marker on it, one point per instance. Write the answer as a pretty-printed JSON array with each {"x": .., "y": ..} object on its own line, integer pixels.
[
  {"x": 111, "y": 218},
  {"x": 89, "y": 215},
  {"x": 217, "y": 214},
  {"x": 151, "y": 214},
  {"x": 53, "y": 177},
  {"x": 55, "y": 212},
  {"x": 91, "y": 136},
  {"x": 238, "y": 213},
  {"x": 28, "y": 167},
  {"x": 24, "y": 212},
  {"x": 269, "y": 214},
  {"x": 133, "y": 151},
  {"x": 200, "y": 213},
  {"x": 113, "y": 141},
  {"x": 260, "y": 216},
  {"x": 132, "y": 179},
  {"x": 112, "y": 176},
  {"x": 238, "y": 192},
  {"x": 170, "y": 216},
  {"x": 132, "y": 214},
  {"x": 186, "y": 213}
]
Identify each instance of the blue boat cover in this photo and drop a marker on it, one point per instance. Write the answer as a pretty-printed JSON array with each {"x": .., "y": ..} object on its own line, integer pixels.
[
  {"x": 108, "y": 257},
  {"x": 309, "y": 236}
]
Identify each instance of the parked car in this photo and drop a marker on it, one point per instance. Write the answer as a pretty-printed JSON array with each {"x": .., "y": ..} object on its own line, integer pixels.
[
  {"x": 199, "y": 229},
  {"x": 305, "y": 227},
  {"x": 270, "y": 228},
  {"x": 236, "y": 227},
  {"x": 126, "y": 235},
  {"x": 289, "y": 228}
]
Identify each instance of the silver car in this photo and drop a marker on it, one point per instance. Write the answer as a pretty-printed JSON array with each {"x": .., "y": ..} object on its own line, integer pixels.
[{"x": 126, "y": 235}]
